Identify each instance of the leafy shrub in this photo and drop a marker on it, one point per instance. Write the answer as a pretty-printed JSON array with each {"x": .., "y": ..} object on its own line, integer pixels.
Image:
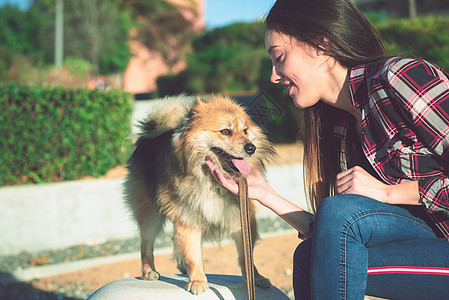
[
  {"x": 78, "y": 67},
  {"x": 21, "y": 68},
  {"x": 425, "y": 37},
  {"x": 171, "y": 85},
  {"x": 53, "y": 134},
  {"x": 226, "y": 59}
]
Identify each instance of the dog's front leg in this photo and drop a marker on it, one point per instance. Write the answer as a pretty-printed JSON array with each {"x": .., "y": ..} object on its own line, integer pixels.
[{"x": 188, "y": 253}]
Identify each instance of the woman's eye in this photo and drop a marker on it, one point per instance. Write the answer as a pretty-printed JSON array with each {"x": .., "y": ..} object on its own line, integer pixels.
[
  {"x": 278, "y": 59},
  {"x": 226, "y": 132}
]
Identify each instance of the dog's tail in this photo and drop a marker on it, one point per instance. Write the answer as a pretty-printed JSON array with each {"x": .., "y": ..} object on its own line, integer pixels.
[{"x": 165, "y": 116}]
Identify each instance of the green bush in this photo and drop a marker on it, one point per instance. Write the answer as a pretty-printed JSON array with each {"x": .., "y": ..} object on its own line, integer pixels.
[
  {"x": 78, "y": 67},
  {"x": 53, "y": 134},
  {"x": 171, "y": 85},
  {"x": 226, "y": 59},
  {"x": 425, "y": 37}
]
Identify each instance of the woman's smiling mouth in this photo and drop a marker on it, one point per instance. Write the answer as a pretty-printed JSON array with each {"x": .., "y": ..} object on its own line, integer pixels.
[{"x": 289, "y": 87}]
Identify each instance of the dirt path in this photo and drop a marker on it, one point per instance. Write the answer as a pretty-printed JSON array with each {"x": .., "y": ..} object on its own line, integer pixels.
[{"x": 274, "y": 262}]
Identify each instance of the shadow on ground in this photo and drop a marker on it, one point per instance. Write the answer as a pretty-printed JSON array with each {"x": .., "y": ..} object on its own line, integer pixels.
[{"x": 10, "y": 288}]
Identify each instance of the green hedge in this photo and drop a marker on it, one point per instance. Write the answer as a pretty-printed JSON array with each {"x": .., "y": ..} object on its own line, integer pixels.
[
  {"x": 54, "y": 134},
  {"x": 424, "y": 37}
]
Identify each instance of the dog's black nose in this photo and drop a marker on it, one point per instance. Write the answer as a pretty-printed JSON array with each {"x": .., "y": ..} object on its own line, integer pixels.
[{"x": 250, "y": 148}]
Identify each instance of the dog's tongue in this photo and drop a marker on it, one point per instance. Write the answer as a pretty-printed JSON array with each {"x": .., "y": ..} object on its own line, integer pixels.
[{"x": 241, "y": 165}]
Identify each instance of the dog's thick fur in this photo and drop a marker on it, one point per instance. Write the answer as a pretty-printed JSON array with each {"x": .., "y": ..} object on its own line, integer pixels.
[{"x": 168, "y": 178}]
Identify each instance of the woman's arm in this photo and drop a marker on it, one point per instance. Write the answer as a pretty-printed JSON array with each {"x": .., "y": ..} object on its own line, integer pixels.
[
  {"x": 289, "y": 212},
  {"x": 421, "y": 90},
  {"x": 259, "y": 190},
  {"x": 357, "y": 181}
]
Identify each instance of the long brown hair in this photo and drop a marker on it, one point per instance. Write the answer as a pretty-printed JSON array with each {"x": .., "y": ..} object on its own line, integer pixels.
[{"x": 340, "y": 29}]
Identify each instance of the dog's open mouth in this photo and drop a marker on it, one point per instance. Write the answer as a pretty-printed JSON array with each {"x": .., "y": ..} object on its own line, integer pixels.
[{"x": 230, "y": 163}]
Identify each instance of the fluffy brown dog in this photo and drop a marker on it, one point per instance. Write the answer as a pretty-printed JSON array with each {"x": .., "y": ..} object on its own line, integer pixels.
[{"x": 168, "y": 178}]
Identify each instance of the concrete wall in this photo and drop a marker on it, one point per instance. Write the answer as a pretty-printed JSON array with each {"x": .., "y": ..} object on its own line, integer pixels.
[
  {"x": 45, "y": 216},
  {"x": 58, "y": 215}
]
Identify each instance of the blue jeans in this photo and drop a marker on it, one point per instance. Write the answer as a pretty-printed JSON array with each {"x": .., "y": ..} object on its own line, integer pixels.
[{"x": 353, "y": 236}]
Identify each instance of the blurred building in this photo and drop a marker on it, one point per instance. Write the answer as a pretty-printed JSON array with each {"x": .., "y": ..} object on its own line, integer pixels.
[{"x": 146, "y": 65}]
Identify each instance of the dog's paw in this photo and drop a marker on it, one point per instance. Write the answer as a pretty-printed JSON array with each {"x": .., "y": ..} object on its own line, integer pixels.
[
  {"x": 262, "y": 282},
  {"x": 197, "y": 287},
  {"x": 151, "y": 276}
]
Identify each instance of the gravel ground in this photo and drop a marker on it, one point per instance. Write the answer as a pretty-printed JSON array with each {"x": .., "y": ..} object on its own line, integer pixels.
[{"x": 25, "y": 290}]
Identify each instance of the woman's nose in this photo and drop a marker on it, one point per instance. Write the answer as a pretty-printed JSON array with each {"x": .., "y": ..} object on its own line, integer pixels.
[{"x": 275, "y": 77}]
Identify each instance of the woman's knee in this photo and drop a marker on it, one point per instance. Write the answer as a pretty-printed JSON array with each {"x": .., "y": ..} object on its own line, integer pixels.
[{"x": 337, "y": 210}]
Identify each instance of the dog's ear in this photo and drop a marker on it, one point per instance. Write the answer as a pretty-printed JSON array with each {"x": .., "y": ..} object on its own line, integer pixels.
[{"x": 199, "y": 102}]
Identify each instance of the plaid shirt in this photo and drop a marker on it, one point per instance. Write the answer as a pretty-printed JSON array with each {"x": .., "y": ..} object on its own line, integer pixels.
[{"x": 405, "y": 128}]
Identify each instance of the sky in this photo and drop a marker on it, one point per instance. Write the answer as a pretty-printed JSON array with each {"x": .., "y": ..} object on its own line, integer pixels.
[
  {"x": 20, "y": 3},
  {"x": 223, "y": 12},
  {"x": 217, "y": 12}
]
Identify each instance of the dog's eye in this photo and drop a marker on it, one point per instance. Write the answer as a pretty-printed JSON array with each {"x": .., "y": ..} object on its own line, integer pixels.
[
  {"x": 245, "y": 131},
  {"x": 226, "y": 132}
]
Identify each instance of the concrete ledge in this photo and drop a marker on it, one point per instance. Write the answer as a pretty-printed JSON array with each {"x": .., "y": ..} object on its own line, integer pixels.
[
  {"x": 58, "y": 215},
  {"x": 221, "y": 287},
  {"x": 47, "y": 216}
]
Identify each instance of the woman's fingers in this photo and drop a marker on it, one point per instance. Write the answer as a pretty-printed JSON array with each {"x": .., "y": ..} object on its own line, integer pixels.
[{"x": 228, "y": 183}]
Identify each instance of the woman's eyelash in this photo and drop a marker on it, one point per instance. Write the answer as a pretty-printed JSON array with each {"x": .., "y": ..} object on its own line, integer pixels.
[{"x": 278, "y": 59}]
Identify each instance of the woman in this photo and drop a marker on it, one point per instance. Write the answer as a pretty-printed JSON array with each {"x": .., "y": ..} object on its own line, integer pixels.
[{"x": 376, "y": 157}]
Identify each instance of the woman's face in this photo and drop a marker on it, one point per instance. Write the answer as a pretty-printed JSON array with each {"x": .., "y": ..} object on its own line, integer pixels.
[{"x": 301, "y": 68}]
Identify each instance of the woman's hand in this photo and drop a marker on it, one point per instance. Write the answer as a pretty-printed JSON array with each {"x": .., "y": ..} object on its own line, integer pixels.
[
  {"x": 357, "y": 181},
  {"x": 258, "y": 187}
]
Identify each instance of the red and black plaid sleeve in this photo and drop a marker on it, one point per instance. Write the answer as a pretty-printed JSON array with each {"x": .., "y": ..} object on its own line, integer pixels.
[{"x": 405, "y": 121}]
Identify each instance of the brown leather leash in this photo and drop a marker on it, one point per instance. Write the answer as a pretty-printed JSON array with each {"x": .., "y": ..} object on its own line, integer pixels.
[{"x": 246, "y": 233}]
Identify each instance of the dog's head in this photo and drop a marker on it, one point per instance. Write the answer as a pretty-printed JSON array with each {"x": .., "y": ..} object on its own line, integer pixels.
[{"x": 220, "y": 130}]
